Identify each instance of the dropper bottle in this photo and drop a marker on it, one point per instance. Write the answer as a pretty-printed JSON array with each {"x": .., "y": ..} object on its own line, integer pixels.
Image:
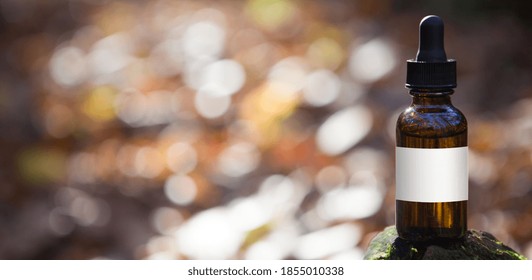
[{"x": 431, "y": 146}]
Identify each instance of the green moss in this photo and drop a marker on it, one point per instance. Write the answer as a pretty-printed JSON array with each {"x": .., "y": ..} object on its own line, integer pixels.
[
  {"x": 512, "y": 254},
  {"x": 476, "y": 245},
  {"x": 389, "y": 250},
  {"x": 381, "y": 247}
]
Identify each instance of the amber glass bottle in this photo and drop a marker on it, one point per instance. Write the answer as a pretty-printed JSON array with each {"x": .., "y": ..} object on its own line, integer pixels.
[{"x": 431, "y": 150}]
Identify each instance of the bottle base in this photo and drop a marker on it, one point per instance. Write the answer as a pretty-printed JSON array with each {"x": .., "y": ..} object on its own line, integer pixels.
[
  {"x": 424, "y": 221},
  {"x": 430, "y": 234}
]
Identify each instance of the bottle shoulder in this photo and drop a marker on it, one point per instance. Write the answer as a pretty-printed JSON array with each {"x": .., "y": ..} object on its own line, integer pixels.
[{"x": 432, "y": 120}]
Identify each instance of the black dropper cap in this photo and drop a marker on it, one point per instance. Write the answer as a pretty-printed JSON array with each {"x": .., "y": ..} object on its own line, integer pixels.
[{"x": 431, "y": 69}]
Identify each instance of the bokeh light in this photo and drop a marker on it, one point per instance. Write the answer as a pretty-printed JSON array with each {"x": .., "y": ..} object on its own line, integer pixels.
[
  {"x": 344, "y": 129},
  {"x": 68, "y": 66},
  {"x": 321, "y": 88},
  {"x": 320, "y": 244},
  {"x": 180, "y": 189},
  {"x": 372, "y": 60},
  {"x": 209, "y": 235}
]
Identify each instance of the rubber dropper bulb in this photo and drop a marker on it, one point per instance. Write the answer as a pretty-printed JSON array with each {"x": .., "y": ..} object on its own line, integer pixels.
[{"x": 431, "y": 47}]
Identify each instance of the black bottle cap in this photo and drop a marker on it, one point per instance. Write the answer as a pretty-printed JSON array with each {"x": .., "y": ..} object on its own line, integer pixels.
[{"x": 431, "y": 69}]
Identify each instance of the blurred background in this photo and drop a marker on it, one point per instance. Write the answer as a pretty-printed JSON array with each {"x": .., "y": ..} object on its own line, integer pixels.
[{"x": 260, "y": 129}]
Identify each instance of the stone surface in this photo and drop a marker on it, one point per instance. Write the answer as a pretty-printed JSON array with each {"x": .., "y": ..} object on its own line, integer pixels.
[{"x": 476, "y": 245}]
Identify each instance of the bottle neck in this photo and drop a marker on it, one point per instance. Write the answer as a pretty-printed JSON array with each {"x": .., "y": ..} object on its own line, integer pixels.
[{"x": 431, "y": 96}]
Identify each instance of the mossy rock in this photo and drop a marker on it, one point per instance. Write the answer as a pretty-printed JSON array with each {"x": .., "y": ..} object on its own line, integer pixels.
[{"x": 476, "y": 245}]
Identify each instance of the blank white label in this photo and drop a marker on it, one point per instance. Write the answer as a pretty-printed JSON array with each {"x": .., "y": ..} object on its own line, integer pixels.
[{"x": 431, "y": 175}]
